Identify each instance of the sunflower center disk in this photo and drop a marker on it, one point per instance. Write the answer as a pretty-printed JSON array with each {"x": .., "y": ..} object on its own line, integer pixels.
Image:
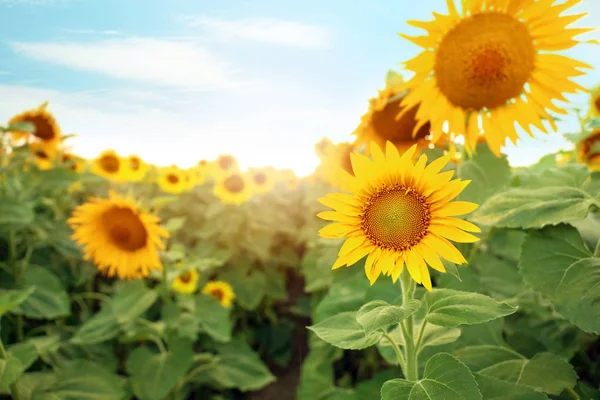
[
  {"x": 43, "y": 128},
  {"x": 186, "y": 277},
  {"x": 173, "y": 179},
  {"x": 387, "y": 127},
  {"x": 597, "y": 104},
  {"x": 110, "y": 164},
  {"x": 218, "y": 294},
  {"x": 134, "y": 164},
  {"x": 234, "y": 184},
  {"x": 484, "y": 61},
  {"x": 125, "y": 229},
  {"x": 225, "y": 162},
  {"x": 260, "y": 178},
  {"x": 396, "y": 219}
]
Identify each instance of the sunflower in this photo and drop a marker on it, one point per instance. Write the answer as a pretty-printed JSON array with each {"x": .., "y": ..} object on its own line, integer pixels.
[
  {"x": 399, "y": 213},
  {"x": 490, "y": 66},
  {"x": 172, "y": 180},
  {"x": 221, "y": 291},
  {"x": 261, "y": 180},
  {"x": 118, "y": 237},
  {"x": 46, "y": 129},
  {"x": 323, "y": 147},
  {"x": 337, "y": 163},
  {"x": 595, "y": 103},
  {"x": 380, "y": 124},
  {"x": 234, "y": 188},
  {"x": 73, "y": 162},
  {"x": 186, "y": 281},
  {"x": 43, "y": 156},
  {"x": 109, "y": 165},
  {"x": 224, "y": 165},
  {"x": 136, "y": 167},
  {"x": 588, "y": 151}
]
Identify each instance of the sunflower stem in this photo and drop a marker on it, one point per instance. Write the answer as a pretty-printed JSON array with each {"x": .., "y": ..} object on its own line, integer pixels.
[
  {"x": 411, "y": 372},
  {"x": 13, "y": 387},
  {"x": 397, "y": 350}
]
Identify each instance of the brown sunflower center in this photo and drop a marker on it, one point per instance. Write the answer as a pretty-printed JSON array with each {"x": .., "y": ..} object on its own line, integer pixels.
[
  {"x": 225, "y": 162},
  {"x": 42, "y": 154},
  {"x": 125, "y": 229},
  {"x": 217, "y": 294},
  {"x": 260, "y": 178},
  {"x": 43, "y": 128},
  {"x": 484, "y": 61},
  {"x": 234, "y": 184},
  {"x": 110, "y": 163},
  {"x": 387, "y": 127},
  {"x": 597, "y": 103},
  {"x": 172, "y": 179},
  {"x": 186, "y": 277},
  {"x": 202, "y": 163},
  {"x": 134, "y": 163},
  {"x": 396, "y": 218}
]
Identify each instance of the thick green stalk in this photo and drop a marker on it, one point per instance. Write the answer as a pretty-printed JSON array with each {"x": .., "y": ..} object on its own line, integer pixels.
[{"x": 411, "y": 371}]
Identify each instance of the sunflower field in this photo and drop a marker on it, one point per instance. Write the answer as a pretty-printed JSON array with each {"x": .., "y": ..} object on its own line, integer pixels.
[{"x": 414, "y": 263}]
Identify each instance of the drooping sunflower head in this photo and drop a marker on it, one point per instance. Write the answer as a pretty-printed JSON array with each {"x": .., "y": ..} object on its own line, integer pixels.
[
  {"x": 73, "y": 162},
  {"x": 186, "y": 282},
  {"x": 136, "y": 168},
  {"x": 491, "y": 65},
  {"x": 172, "y": 180},
  {"x": 234, "y": 188},
  {"x": 261, "y": 179},
  {"x": 43, "y": 157},
  {"x": 109, "y": 165},
  {"x": 46, "y": 129},
  {"x": 323, "y": 147},
  {"x": 380, "y": 124},
  {"x": 594, "y": 111},
  {"x": 118, "y": 237},
  {"x": 399, "y": 213},
  {"x": 588, "y": 151},
  {"x": 222, "y": 291}
]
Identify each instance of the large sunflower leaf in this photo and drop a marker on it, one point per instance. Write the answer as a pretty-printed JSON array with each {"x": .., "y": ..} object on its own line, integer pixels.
[{"x": 344, "y": 331}]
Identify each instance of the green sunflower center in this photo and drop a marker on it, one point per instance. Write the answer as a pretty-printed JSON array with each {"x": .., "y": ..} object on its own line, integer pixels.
[
  {"x": 234, "y": 184},
  {"x": 125, "y": 229},
  {"x": 396, "y": 218},
  {"x": 484, "y": 61}
]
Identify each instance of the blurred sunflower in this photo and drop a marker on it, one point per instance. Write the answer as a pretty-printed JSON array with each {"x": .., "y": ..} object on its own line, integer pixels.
[
  {"x": 224, "y": 165},
  {"x": 109, "y": 165},
  {"x": 288, "y": 177},
  {"x": 46, "y": 129},
  {"x": 186, "y": 282},
  {"x": 323, "y": 147},
  {"x": 172, "y": 180},
  {"x": 222, "y": 291},
  {"x": 234, "y": 188},
  {"x": 137, "y": 168},
  {"x": 588, "y": 151},
  {"x": 73, "y": 162},
  {"x": 563, "y": 158},
  {"x": 490, "y": 66},
  {"x": 261, "y": 180},
  {"x": 118, "y": 237},
  {"x": 595, "y": 103},
  {"x": 43, "y": 156},
  {"x": 380, "y": 124},
  {"x": 399, "y": 213},
  {"x": 337, "y": 163}
]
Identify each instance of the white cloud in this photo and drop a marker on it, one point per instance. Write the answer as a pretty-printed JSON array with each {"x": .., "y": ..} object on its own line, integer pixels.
[
  {"x": 173, "y": 63},
  {"x": 265, "y": 30}
]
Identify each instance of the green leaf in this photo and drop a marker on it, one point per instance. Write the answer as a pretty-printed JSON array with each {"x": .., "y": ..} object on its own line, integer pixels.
[
  {"x": 21, "y": 127},
  {"x": 213, "y": 318},
  {"x": 10, "y": 299},
  {"x": 35, "y": 386},
  {"x": 154, "y": 375},
  {"x": 447, "y": 307},
  {"x": 239, "y": 367},
  {"x": 488, "y": 174},
  {"x": 49, "y": 300},
  {"x": 556, "y": 263},
  {"x": 20, "y": 356},
  {"x": 344, "y": 331},
  {"x": 250, "y": 289},
  {"x": 445, "y": 378},
  {"x": 347, "y": 293},
  {"x": 545, "y": 372},
  {"x": 15, "y": 213},
  {"x": 496, "y": 389},
  {"x": 174, "y": 224},
  {"x": 378, "y": 314},
  {"x": 85, "y": 380},
  {"x": 101, "y": 327}
]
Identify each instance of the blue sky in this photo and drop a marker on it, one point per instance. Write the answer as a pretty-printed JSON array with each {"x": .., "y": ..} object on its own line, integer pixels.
[{"x": 176, "y": 81}]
